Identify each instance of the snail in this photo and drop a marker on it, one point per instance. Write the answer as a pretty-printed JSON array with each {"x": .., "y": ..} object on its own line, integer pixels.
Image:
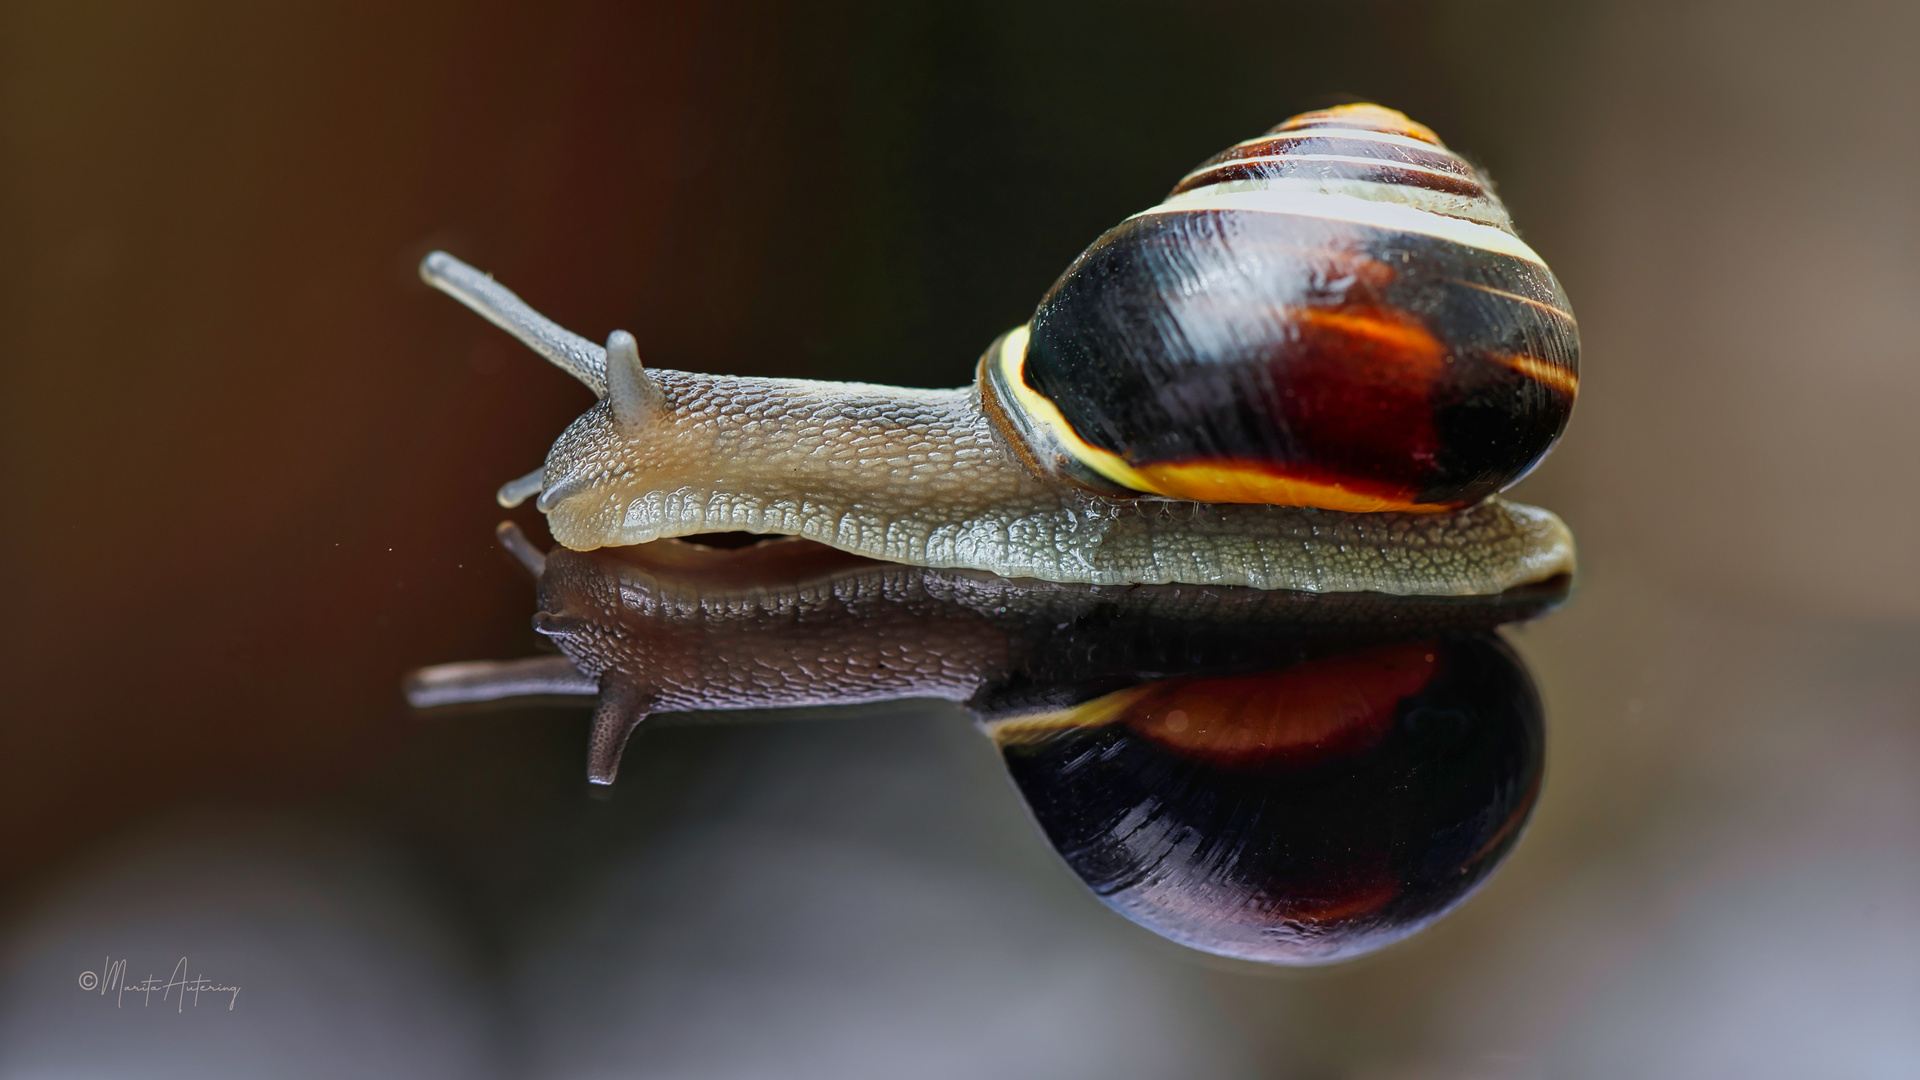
[
  {"x": 1284, "y": 777},
  {"x": 1312, "y": 368}
]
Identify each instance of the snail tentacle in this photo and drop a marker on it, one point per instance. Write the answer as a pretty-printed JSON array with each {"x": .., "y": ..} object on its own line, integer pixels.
[
  {"x": 565, "y": 349},
  {"x": 631, "y": 395},
  {"x": 521, "y": 488}
]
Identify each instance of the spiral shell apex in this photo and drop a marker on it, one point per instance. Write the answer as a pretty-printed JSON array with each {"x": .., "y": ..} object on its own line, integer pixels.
[{"x": 1335, "y": 314}]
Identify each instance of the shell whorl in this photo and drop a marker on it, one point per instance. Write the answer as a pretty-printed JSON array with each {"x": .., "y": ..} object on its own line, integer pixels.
[{"x": 1362, "y": 151}]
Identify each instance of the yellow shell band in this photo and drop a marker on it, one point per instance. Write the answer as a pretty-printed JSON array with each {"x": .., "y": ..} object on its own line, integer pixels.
[{"x": 1012, "y": 363}]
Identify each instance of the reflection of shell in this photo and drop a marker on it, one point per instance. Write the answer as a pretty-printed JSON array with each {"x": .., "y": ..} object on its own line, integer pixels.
[
  {"x": 1295, "y": 817},
  {"x": 1292, "y": 717}
]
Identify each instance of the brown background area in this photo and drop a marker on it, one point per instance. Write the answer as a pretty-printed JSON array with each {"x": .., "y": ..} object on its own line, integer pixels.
[
  {"x": 249, "y": 457},
  {"x": 250, "y": 454}
]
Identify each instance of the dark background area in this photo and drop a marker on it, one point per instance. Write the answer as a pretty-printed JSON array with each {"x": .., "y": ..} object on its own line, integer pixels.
[{"x": 250, "y": 458}]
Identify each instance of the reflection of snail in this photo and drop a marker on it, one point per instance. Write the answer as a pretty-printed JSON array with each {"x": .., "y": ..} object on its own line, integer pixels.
[
  {"x": 1278, "y": 776},
  {"x": 1309, "y": 368},
  {"x": 673, "y": 626}
]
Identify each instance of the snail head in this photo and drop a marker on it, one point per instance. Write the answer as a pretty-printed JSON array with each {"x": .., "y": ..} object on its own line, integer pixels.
[{"x": 630, "y": 443}]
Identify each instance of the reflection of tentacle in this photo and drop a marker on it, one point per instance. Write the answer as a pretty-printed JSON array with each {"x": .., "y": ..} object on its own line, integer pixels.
[
  {"x": 621, "y": 709},
  {"x": 522, "y": 549},
  {"x": 477, "y": 681}
]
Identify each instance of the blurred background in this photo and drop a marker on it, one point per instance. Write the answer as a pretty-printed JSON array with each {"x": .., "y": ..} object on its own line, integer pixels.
[{"x": 250, "y": 462}]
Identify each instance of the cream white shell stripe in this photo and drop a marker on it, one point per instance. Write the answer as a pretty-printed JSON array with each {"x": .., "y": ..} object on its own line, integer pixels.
[
  {"x": 1269, "y": 197},
  {"x": 1473, "y": 208},
  {"x": 1336, "y": 131},
  {"x": 1337, "y": 159}
]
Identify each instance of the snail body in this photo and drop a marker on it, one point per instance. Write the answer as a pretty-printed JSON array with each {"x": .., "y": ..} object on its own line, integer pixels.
[{"x": 1310, "y": 368}]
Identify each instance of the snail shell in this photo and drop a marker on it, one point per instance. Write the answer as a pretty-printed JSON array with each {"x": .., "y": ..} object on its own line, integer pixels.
[
  {"x": 1335, "y": 314},
  {"x": 1308, "y": 369}
]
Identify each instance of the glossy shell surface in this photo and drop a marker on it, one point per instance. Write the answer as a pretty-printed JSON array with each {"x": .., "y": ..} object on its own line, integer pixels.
[{"x": 1336, "y": 314}]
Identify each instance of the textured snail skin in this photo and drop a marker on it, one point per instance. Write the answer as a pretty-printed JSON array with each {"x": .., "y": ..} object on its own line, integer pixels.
[{"x": 924, "y": 477}]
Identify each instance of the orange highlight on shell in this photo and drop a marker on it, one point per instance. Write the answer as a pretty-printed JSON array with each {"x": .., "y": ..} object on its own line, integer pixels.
[
  {"x": 1399, "y": 335},
  {"x": 1547, "y": 374},
  {"x": 1227, "y": 480}
]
